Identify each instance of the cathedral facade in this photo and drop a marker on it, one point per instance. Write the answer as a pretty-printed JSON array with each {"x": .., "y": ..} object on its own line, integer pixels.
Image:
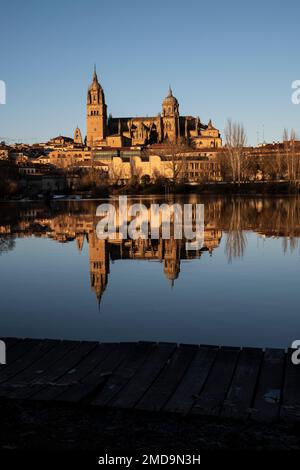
[{"x": 168, "y": 126}]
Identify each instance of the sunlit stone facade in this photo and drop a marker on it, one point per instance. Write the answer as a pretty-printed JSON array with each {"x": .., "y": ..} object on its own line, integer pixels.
[{"x": 168, "y": 126}]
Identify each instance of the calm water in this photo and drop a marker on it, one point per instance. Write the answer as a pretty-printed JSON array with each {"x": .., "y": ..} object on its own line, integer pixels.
[{"x": 59, "y": 281}]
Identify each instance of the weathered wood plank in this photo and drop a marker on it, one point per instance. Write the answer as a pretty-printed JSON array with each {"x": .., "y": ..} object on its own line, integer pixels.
[
  {"x": 193, "y": 380},
  {"x": 9, "y": 342},
  {"x": 241, "y": 392},
  {"x": 20, "y": 386},
  {"x": 94, "y": 381},
  {"x": 23, "y": 355},
  {"x": 123, "y": 373},
  {"x": 165, "y": 385},
  {"x": 87, "y": 364},
  {"x": 211, "y": 398},
  {"x": 48, "y": 386},
  {"x": 144, "y": 377},
  {"x": 76, "y": 375},
  {"x": 201, "y": 380},
  {"x": 268, "y": 394},
  {"x": 16, "y": 351},
  {"x": 290, "y": 409}
]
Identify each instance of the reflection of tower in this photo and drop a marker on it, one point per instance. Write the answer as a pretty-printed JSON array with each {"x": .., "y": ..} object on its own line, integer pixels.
[
  {"x": 99, "y": 264},
  {"x": 79, "y": 241},
  {"x": 171, "y": 259}
]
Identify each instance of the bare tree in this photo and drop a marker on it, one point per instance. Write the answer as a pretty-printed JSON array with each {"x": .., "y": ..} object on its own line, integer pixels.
[
  {"x": 235, "y": 142},
  {"x": 278, "y": 164},
  {"x": 291, "y": 155},
  {"x": 115, "y": 174},
  {"x": 175, "y": 155}
]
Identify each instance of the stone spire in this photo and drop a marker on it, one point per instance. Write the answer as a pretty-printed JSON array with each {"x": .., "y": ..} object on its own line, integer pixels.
[{"x": 95, "y": 78}]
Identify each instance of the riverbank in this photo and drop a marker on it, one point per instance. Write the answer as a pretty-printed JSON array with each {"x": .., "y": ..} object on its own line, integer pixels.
[{"x": 257, "y": 188}]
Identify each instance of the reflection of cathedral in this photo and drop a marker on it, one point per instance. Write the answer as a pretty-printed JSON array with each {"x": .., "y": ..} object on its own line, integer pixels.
[
  {"x": 74, "y": 221},
  {"x": 169, "y": 252},
  {"x": 81, "y": 228}
]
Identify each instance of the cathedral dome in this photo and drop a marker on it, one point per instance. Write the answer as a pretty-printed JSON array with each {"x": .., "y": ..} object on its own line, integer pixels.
[{"x": 170, "y": 99}]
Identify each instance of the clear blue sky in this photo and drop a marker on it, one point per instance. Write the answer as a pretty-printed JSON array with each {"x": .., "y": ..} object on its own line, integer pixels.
[{"x": 223, "y": 59}]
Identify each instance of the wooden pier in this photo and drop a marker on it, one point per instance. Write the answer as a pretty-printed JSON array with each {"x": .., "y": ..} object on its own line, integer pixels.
[{"x": 242, "y": 383}]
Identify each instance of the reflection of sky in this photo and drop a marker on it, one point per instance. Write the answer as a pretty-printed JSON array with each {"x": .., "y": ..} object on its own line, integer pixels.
[{"x": 252, "y": 301}]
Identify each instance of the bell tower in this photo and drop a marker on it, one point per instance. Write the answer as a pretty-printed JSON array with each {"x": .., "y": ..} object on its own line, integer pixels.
[
  {"x": 170, "y": 117},
  {"x": 96, "y": 120}
]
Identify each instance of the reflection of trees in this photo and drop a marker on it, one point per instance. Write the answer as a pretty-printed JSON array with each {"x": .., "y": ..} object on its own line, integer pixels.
[
  {"x": 236, "y": 239},
  {"x": 291, "y": 214},
  {"x": 290, "y": 243},
  {"x": 6, "y": 244},
  {"x": 269, "y": 216}
]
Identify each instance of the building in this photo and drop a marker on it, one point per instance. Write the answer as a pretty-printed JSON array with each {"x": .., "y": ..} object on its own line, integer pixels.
[
  {"x": 139, "y": 147},
  {"x": 60, "y": 141},
  {"x": 168, "y": 126}
]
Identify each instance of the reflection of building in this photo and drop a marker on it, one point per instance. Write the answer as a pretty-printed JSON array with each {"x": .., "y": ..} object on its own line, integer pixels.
[
  {"x": 99, "y": 264},
  {"x": 81, "y": 226},
  {"x": 73, "y": 221},
  {"x": 172, "y": 259},
  {"x": 169, "y": 252}
]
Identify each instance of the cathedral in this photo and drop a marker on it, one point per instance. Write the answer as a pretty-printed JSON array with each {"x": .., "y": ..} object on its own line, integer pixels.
[{"x": 168, "y": 126}]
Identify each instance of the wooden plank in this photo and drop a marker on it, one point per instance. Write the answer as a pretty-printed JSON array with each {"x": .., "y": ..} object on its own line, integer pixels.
[
  {"x": 290, "y": 409},
  {"x": 165, "y": 385},
  {"x": 268, "y": 394},
  {"x": 123, "y": 373},
  {"x": 76, "y": 375},
  {"x": 48, "y": 386},
  {"x": 211, "y": 398},
  {"x": 91, "y": 385},
  {"x": 144, "y": 377},
  {"x": 9, "y": 342},
  {"x": 203, "y": 380},
  {"x": 87, "y": 364},
  {"x": 16, "y": 351},
  {"x": 25, "y": 354},
  {"x": 20, "y": 386},
  {"x": 241, "y": 392},
  {"x": 193, "y": 381}
]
